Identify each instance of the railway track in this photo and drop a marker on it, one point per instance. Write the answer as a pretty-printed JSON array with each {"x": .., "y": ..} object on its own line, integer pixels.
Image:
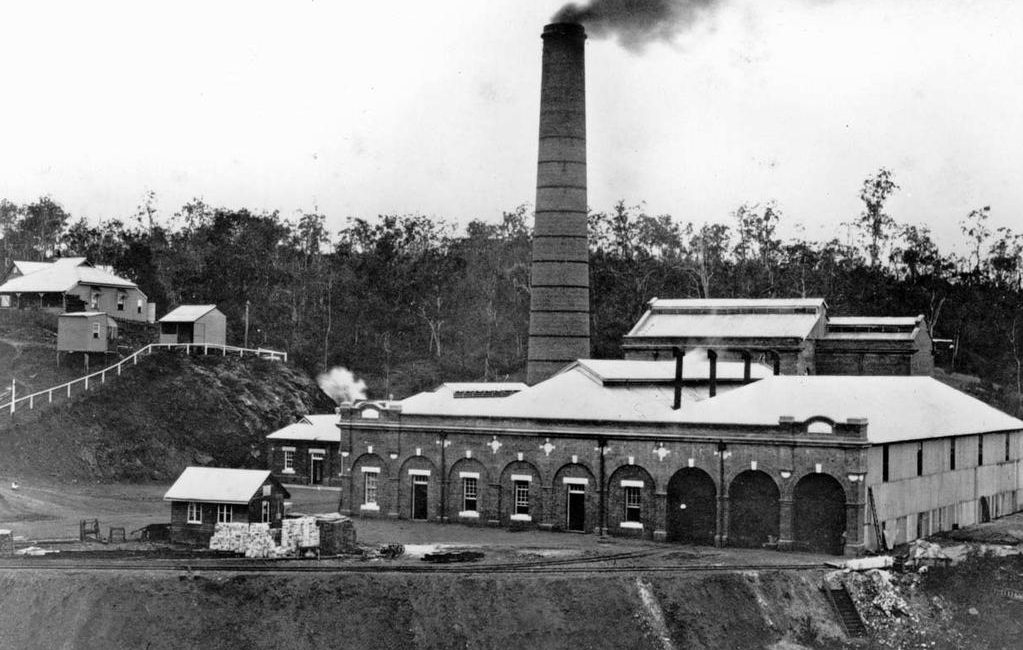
[{"x": 607, "y": 564}]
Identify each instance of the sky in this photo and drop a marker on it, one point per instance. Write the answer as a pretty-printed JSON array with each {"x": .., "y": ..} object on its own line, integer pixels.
[{"x": 355, "y": 109}]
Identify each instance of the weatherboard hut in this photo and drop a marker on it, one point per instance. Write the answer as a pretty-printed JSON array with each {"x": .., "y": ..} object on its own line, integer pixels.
[
  {"x": 202, "y": 497},
  {"x": 85, "y": 331},
  {"x": 197, "y": 324}
]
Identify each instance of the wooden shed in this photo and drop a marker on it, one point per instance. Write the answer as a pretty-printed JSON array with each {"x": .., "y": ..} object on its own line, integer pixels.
[
  {"x": 200, "y": 324},
  {"x": 85, "y": 331},
  {"x": 205, "y": 496}
]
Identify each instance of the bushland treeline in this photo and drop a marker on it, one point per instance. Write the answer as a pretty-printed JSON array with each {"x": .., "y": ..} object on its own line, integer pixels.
[{"x": 408, "y": 301}]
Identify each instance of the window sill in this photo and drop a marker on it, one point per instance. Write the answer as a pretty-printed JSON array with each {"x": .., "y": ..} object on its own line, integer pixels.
[
  {"x": 521, "y": 518},
  {"x": 471, "y": 514},
  {"x": 631, "y": 524},
  {"x": 287, "y": 471},
  {"x": 370, "y": 506},
  {"x": 194, "y": 523}
]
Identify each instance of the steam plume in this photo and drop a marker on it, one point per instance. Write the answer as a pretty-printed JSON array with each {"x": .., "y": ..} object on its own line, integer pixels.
[
  {"x": 341, "y": 385},
  {"x": 634, "y": 22}
]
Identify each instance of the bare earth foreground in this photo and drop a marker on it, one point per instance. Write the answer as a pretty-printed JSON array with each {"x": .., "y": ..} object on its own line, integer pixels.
[{"x": 644, "y": 601}]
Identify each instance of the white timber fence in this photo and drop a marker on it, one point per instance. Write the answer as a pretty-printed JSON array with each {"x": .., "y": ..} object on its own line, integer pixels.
[{"x": 29, "y": 401}]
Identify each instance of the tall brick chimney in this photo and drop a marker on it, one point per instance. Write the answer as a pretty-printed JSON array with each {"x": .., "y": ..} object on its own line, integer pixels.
[{"x": 559, "y": 310}]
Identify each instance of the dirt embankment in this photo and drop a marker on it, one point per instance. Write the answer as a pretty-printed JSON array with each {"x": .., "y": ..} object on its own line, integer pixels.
[
  {"x": 48, "y": 610},
  {"x": 167, "y": 412}
]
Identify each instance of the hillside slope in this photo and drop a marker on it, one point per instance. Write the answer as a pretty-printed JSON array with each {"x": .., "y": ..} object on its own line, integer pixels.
[
  {"x": 167, "y": 412},
  {"x": 408, "y": 611}
]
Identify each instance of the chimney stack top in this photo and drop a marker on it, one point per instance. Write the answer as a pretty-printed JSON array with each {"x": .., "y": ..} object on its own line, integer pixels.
[{"x": 564, "y": 29}]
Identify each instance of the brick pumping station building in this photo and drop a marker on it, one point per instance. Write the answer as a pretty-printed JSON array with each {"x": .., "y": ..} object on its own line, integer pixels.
[{"x": 738, "y": 422}]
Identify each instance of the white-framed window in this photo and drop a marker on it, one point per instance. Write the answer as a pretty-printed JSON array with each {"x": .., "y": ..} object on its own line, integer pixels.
[
  {"x": 633, "y": 499},
  {"x": 470, "y": 499},
  {"x": 5, "y": 300},
  {"x": 194, "y": 513},
  {"x": 289, "y": 460},
  {"x": 94, "y": 300},
  {"x": 121, "y": 299},
  {"x": 522, "y": 497},
  {"x": 370, "y": 479},
  {"x": 265, "y": 512},
  {"x": 225, "y": 513},
  {"x": 95, "y": 330}
]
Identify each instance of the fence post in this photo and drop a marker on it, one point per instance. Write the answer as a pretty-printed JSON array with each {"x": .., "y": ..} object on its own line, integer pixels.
[
  {"x": 31, "y": 402},
  {"x": 69, "y": 390},
  {"x": 103, "y": 377},
  {"x": 49, "y": 395},
  {"x": 87, "y": 382}
]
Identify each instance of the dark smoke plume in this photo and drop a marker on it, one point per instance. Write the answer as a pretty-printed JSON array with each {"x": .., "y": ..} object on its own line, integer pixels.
[{"x": 634, "y": 22}]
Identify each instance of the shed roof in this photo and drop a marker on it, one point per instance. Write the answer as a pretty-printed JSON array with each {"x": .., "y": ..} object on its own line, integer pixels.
[
  {"x": 723, "y": 326},
  {"x": 875, "y": 321},
  {"x": 589, "y": 389},
  {"x": 217, "y": 485},
  {"x": 313, "y": 428},
  {"x": 26, "y": 267},
  {"x": 187, "y": 313},
  {"x": 752, "y": 304},
  {"x": 63, "y": 275},
  {"x": 694, "y": 368},
  {"x": 896, "y": 408},
  {"x": 82, "y": 314}
]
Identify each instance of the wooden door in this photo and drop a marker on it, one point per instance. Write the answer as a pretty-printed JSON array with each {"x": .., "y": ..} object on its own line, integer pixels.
[
  {"x": 577, "y": 508},
  {"x": 419, "y": 497}
]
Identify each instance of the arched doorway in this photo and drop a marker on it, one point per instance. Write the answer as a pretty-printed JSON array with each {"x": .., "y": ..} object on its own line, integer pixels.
[
  {"x": 692, "y": 507},
  {"x": 819, "y": 514},
  {"x": 753, "y": 509}
]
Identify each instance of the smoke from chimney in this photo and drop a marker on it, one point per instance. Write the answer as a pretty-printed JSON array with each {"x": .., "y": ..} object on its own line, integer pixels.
[
  {"x": 635, "y": 22},
  {"x": 341, "y": 386}
]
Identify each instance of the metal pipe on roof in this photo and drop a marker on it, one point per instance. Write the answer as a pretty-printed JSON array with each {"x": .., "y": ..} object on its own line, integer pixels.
[
  {"x": 678, "y": 353},
  {"x": 712, "y": 357}
]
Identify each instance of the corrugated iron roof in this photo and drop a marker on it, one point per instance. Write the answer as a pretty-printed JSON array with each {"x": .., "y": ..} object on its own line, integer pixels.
[
  {"x": 736, "y": 303},
  {"x": 724, "y": 326},
  {"x": 217, "y": 485},
  {"x": 896, "y": 408},
  {"x": 314, "y": 428},
  {"x": 25, "y": 267},
  {"x": 63, "y": 275},
  {"x": 187, "y": 313},
  {"x": 589, "y": 389},
  {"x": 694, "y": 368},
  {"x": 876, "y": 321},
  {"x": 869, "y": 336}
]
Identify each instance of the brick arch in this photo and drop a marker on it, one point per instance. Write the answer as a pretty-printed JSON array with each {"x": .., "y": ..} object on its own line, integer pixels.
[
  {"x": 616, "y": 502},
  {"x": 691, "y": 514},
  {"x": 405, "y": 486},
  {"x": 754, "y": 501},
  {"x": 358, "y": 498},
  {"x": 506, "y": 493},
  {"x": 819, "y": 513},
  {"x": 560, "y": 490},
  {"x": 456, "y": 501}
]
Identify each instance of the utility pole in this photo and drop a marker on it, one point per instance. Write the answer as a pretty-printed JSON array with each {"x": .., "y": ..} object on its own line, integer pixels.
[{"x": 246, "y": 324}]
